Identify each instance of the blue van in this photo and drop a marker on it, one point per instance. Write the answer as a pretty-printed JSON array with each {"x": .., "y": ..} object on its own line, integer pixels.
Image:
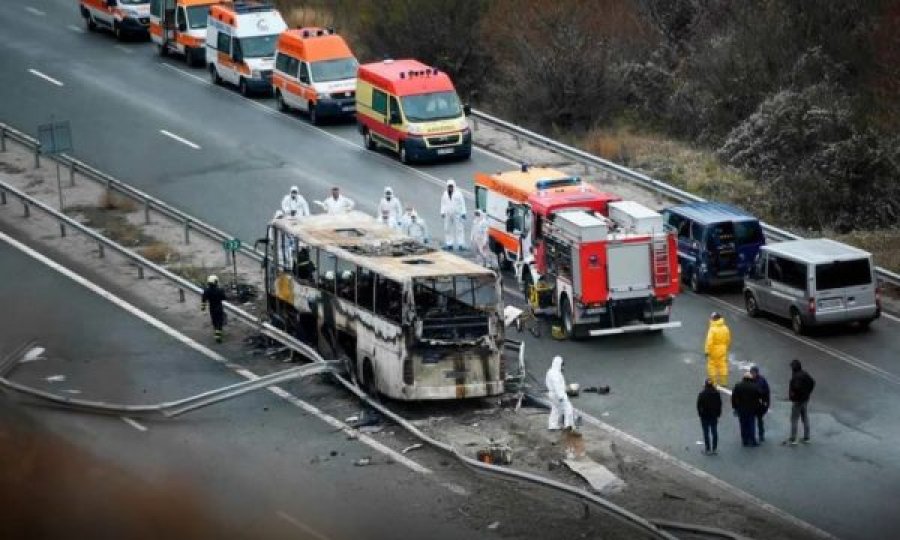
[{"x": 717, "y": 243}]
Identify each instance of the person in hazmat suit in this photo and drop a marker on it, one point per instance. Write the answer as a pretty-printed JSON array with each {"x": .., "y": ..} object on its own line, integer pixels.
[
  {"x": 718, "y": 339},
  {"x": 294, "y": 205},
  {"x": 453, "y": 212},
  {"x": 213, "y": 297},
  {"x": 415, "y": 227},
  {"x": 391, "y": 204},
  {"x": 337, "y": 203},
  {"x": 560, "y": 406},
  {"x": 479, "y": 239}
]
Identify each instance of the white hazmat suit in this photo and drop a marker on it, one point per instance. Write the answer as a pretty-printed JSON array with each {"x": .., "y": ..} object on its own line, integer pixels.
[
  {"x": 340, "y": 205},
  {"x": 390, "y": 204},
  {"x": 294, "y": 205},
  {"x": 479, "y": 239},
  {"x": 560, "y": 406},
  {"x": 453, "y": 212},
  {"x": 415, "y": 227}
]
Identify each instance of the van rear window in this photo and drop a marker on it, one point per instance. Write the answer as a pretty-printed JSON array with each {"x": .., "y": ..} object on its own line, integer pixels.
[
  {"x": 840, "y": 274},
  {"x": 748, "y": 232}
]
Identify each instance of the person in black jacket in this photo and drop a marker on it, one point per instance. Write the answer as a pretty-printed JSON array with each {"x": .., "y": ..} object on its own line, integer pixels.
[
  {"x": 765, "y": 395},
  {"x": 799, "y": 390},
  {"x": 214, "y": 296},
  {"x": 709, "y": 407},
  {"x": 745, "y": 399}
]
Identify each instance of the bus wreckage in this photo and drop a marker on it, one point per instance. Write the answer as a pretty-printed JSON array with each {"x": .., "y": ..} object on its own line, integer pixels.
[{"x": 408, "y": 321}]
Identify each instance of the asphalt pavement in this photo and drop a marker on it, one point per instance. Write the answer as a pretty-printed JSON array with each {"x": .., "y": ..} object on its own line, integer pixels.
[{"x": 229, "y": 160}]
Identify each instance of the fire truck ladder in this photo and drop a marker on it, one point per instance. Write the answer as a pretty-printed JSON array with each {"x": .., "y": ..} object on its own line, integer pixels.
[{"x": 661, "y": 268}]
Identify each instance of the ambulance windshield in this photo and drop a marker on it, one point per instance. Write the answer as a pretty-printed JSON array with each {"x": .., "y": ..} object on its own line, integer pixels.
[
  {"x": 334, "y": 70},
  {"x": 258, "y": 46},
  {"x": 433, "y": 106},
  {"x": 133, "y": 2},
  {"x": 197, "y": 16}
]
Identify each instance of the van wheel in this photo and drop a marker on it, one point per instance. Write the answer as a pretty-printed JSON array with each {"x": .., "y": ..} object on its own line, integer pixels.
[
  {"x": 565, "y": 313},
  {"x": 162, "y": 50},
  {"x": 282, "y": 105},
  {"x": 404, "y": 157},
  {"x": 117, "y": 30},
  {"x": 196, "y": 58},
  {"x": 797, "y": 324},
  {"x": 242, "y": 87},
  {"x": 214, "y": 75},
  {"x": 89, "y": 22},
  {"x": 368, "y": 140},
  {"x": 696, "y": 285},
  {"x": 750, "y": 303},
  {"x": 313, "y": 116}
]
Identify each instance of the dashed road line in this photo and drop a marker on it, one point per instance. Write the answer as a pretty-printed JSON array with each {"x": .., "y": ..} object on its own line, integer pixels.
[
  {"x": 133, "y": 423},
  {"x": 300, "y": 525},
  {"x": 209, "y": 353},
  {"x": 182, "y": 140},
  {"x": 124, "y": 49},
  {"x": 34, "y": 11},
  {"x": 44, "y": 76},
  {"x": 74, "y": 28},
  {"x": 889, "y": 316}
]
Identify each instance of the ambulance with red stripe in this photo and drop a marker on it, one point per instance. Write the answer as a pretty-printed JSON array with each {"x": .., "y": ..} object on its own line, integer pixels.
[
  {"x": 179, "y": 26},
  {"x": 315, "y": 72},
  {"x": 503, "y": 197},
  {"x": 411, "y": 109},
  {"x": 123, "y": 17},
  {"x": 240, "y": 45}
]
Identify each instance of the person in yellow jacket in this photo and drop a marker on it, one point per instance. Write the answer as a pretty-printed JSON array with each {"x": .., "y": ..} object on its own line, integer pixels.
[{"x": 718, "y": 339}]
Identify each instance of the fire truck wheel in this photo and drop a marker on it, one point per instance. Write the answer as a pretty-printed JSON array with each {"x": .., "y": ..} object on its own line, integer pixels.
[
  {"x": 750, "y": 303},
  {"x": 369, "y": 141},
  {"x": 282, "y": 105},
  {"x": 696, "y": 286},
  {"x": 565, "y": 313},
  {"x": 214, "y": 75}
]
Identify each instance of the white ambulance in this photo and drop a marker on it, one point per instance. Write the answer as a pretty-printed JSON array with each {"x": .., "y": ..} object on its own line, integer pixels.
[
  {"x": 124, "y": 17},
  {"x": 179, "y": 26},
  {"x": 240, "y": 45}
]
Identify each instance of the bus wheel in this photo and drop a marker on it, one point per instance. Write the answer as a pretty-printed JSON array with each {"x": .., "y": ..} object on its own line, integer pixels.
[
  {"x": 368, "y": 379},
  {"x": 368, "y": 140},
  {"x": 565, "y": 309}
]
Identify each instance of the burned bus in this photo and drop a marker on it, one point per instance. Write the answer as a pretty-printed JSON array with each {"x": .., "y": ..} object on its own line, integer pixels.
[{"x": 409, "y": 321}]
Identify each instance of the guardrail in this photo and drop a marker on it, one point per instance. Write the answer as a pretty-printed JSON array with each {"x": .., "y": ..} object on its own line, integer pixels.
[
  {"x": 641, "y": 179},
  {"x": 148, "y": 202}
]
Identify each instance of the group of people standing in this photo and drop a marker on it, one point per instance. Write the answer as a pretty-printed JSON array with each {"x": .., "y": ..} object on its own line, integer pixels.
[
  {"x": 750, "y": 397},
  {"x": 390, "y": 212}
]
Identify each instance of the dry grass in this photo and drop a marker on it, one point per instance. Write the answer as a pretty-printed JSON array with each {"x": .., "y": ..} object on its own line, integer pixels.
[
  {"x": 884, "y": 245},
  {"x": 114, "y": 201},
  {"x": 298, "y": 17},
  {"x": 159, "y": 253},
  {"x": 195, "y": 273}
]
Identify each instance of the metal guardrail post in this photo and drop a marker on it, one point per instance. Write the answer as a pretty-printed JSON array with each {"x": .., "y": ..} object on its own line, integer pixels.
[
  {"x": 187, "y": 232},
  {"x": 146, "y": 212},
  {"x": 27, "y": 209},
  {"x": 72, "y": 174},
  {"x": 108, "y": 191},
  {"x": 37, "y": 157},
  {"x": 62, "y": 230},
  {"x": 181, "y": 295},
  {"x": 140, "y": 272},
  {"x": 100, "y": 245},
  {"x": 2, "y": 139},
  {"x": 2, "y": 196}
]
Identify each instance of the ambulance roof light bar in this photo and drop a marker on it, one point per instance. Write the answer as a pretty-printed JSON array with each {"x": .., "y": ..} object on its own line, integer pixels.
[{"x": 551, "y": 183}]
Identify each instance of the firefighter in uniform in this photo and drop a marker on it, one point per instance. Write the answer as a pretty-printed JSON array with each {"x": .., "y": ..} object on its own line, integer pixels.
[{"x": 213, "y": 296}]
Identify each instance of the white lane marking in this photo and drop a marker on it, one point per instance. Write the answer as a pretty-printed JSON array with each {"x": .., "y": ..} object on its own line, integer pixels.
[
  {"x": 47, "y": 78},
  {"x": 738, "y": 492},
  {"x": 133, "y": 423},
  {"x": 300, "y": 525},
  {"x": 304, "y": 125},
  {"x": 156, "y": 323},
  {"x": 34, "y": 11},
  {"x": 182, "y": 140},
  {"x": 724, "y": 390},
  {"x": 889, "y": 316},
  {"x": 124, "y": 49},
  {"x": 74, "y": 28},
  {"x": 839, "y": 355}
]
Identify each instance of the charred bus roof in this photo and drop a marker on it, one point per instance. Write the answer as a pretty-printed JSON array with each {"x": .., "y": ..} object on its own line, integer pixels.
[{"x": 359, "y": 238}]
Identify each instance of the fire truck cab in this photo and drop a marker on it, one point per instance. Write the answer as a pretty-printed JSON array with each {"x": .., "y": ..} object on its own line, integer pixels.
[{"x": 601, "y": 275}]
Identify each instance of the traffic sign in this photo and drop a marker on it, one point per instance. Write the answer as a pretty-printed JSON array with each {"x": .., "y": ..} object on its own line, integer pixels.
[{"x": 232, "y": 245}]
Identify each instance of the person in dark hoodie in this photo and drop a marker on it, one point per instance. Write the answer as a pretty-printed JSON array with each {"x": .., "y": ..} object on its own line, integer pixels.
[
  {"x": 745, "y": 400},
  {"x": 765, "y": 395},
  {"x": 799, "y": 390},
  {"x": 709, "y": 407}
]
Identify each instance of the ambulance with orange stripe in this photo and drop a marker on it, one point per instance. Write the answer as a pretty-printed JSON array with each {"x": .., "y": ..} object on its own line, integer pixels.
[
  {"x": 315, "y": 72},
  {"x": 179, "y": 26},
  {"x": 240, "y": 45},
  {"x": 411, "y": 109},
  {"x": 503, "y": 197},
  {"x": 123, "y": 17}
]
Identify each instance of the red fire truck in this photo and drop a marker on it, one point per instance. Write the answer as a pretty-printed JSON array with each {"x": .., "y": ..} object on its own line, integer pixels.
[{"x": 600, "y": 274}]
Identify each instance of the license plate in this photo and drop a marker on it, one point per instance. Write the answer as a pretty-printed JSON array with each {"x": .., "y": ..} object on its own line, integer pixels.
[
  {"x": 832, "y": 303},
  {"x": 348, "y": 108},
  {"x": 444, "y": 151}
]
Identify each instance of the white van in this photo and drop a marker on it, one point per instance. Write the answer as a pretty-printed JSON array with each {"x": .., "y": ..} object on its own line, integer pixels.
[
  {"x": 240, "y": 45},
  {"x": 813, "y": 282}
]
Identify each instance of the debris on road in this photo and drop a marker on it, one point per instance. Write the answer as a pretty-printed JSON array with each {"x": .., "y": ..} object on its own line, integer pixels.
[
  {"x": 362, "y": 462},
  {"x": 597, "y": 389},
  {"x": 597, "y": 476},
  {"x": 56, "y": 378},
  {"x": 411, "y": 447},
  {"x": 493, "y": 525},
  {"x": 35, "y": 353}
]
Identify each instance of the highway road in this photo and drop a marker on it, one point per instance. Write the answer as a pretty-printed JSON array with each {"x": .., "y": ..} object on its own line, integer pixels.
[
  {"x": 253, "y": 467},
  {"x": 243, "y": 155}
]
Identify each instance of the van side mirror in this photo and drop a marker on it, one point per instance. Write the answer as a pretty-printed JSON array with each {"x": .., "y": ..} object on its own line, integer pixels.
[
  {"x": 395, "y": 118},
  {"x": 467, "y": 109},
  {"x": 182, "y": 26}
]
